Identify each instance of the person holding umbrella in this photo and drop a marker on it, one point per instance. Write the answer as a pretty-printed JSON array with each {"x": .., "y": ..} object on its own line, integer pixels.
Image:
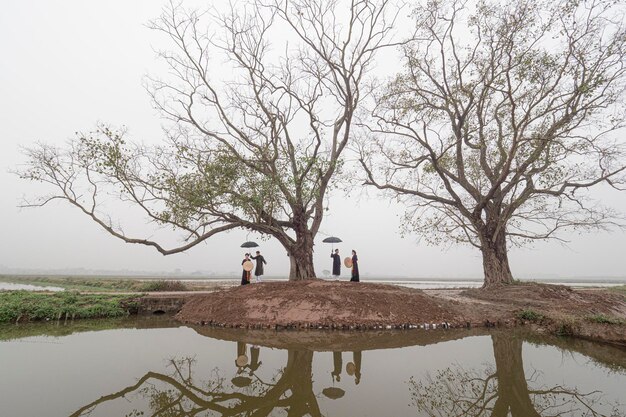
[
  {"x": 335, "y": 255},
  {"x": 260, "y": 260},
  {"x": 336, "y": 263}
]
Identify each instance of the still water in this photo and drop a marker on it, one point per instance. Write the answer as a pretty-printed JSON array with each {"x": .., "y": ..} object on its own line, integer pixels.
[
  {"x": 156, "y": 367},
  {"x": 10, "y": 286}
]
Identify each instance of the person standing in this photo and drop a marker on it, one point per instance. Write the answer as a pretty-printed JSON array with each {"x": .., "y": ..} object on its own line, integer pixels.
[
  {"x": 337, "y": 365},
  {"x": 245, "y": 275},
  {"x": 336, "y": 263},
  {"x": 258, "y": 271},
  {"x": 355, "y": 267}
]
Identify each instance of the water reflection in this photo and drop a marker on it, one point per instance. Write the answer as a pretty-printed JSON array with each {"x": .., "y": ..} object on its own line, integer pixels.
[
  {"x": 503, "y": 391},
  {"x": 179, "y": 393},
  {"x": 243, "y": 388}
]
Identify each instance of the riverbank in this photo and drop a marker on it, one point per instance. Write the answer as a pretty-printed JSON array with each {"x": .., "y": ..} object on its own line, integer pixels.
[
  {"x": 594, "y": 314},
  {"x": 109, "y": 284},
  {"x": 23, "y": 306}
]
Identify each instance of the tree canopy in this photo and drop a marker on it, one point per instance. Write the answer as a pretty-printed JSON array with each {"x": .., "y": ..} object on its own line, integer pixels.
[
  {"x": 502, "y": 118},
  {"x": 261, "y": 101}
]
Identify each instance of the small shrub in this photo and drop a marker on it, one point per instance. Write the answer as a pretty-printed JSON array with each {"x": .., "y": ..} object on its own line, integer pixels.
[
  {"x": 565, "y": 329},
  {"x": 530, "y": 315},
  {"x": 159, "y": 285},
  {"x": 604, "y": 319}
]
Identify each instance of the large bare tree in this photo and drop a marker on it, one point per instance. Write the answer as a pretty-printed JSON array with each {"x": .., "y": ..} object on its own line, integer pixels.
[
  {"x": 505, "y": 114},
  {"x": 261, "y": 102},
  {"x": 503, "y": 391}
]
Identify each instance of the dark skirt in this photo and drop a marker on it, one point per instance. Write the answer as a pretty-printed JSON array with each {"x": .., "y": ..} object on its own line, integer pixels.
[
  {"x": 355, "y": 270},
  {"x": 245, "y": 277}
]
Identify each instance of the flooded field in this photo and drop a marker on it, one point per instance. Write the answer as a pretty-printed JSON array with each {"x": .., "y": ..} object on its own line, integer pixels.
[
  {"x": 154, "y": 366},
  {"x": 10, "y": 286}
]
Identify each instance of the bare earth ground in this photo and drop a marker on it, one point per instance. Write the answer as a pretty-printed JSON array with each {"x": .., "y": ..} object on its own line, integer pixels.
[{"x": 346, "y": 305}]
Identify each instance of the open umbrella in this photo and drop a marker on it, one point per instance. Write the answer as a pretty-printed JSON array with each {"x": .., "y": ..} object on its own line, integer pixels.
[
  {"x": 249, "y": 244},
  {"x": 333, "y": 392},
  {"x": 333, "y": 240},
  {"x": 241, "y": 381}
]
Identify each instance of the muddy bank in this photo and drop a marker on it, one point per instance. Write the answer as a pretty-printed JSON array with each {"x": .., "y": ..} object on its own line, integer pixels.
[{"x": 318, "y": 304}]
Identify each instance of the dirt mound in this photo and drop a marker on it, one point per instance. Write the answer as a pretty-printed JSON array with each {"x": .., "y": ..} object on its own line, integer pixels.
[
  {"x": 317, "y": 303},
  {"x": 552, "y": 298}
]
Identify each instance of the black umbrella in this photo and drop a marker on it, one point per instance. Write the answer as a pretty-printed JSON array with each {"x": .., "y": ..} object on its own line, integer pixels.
[
  {"x": 241, "y": 381},
  {"x": 249, "y": 245},
  {"x": 333, "y": 240},
  {"x": 333, "y": 393}
]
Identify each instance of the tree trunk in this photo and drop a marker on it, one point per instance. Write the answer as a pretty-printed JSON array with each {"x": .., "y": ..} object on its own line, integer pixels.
[
  {"x": 513, "y": 394},
  {"x": 301, "y": 264},
  {"x": 301, "y": 256},
  {"x": 495, "y": 260}
]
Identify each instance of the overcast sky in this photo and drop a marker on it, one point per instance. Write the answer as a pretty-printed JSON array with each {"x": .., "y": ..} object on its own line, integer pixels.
[{"x": 66, "y": 65}]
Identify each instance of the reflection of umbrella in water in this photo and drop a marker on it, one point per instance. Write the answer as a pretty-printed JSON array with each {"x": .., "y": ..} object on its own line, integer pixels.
[
  {"x": 249, "y": 244},
  {"x": 241, "y": 381},
  {"x": 333, "y": 392},
  {"x": 333, "y": 240}
]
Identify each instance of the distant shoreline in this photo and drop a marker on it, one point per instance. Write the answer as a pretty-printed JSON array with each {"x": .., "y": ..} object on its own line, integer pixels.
[{"x": 372, "y": 278}]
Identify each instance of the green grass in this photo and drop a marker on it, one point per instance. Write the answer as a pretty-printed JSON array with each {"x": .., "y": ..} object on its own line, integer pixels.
[
  {"x": 97, "y": 284},
  {"x": 604, "y": 319},
  {"x": 530, "y": 315},
  {"x": 161, "y": 285},
  {"x": 620, "y": 289},
  {"x": 17, "y": 306},
  {"x": 78, "y": 283}
]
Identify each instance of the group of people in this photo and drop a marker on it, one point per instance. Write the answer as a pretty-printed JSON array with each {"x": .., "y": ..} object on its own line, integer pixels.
[
  {"x": 246, "y": 275},
  {"x": 337, "y": 265}
]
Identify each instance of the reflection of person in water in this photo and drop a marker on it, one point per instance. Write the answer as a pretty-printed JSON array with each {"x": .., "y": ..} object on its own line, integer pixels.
[
  {"x": 337, "y": 365},
  {"x": 254, "y": 359},
  {"x": 241, "y": 361},
  {"x": 354, "y": 367}
]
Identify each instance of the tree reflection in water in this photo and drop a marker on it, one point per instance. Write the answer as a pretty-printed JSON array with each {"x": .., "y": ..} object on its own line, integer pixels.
[
  {"x": 178, "y": 394},
  {"x": 505, "y": 391},
  {"x": 453, "y": 392}
]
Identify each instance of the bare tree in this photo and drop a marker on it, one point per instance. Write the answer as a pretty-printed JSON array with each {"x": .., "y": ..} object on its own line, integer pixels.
[
  {"x": 178, "y": 393},
  {"x": 502, "y": 120},
  {"x": 258, "y": 149},
  {"x": 503, "y": 391}
]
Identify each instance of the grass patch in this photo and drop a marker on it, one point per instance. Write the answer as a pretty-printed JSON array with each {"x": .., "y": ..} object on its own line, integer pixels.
[
  {"x": 565, "y": 329},
  {"x": 604, "y": 319},
  {"x": 160, "y": 285},
  {"x": 78, "y": 283},
  {"x": 17, "y": 306},
  {"x": 530, "y": 315},
  {"x": 98, "y": 284},
  {"x": 621, "y": 289}
]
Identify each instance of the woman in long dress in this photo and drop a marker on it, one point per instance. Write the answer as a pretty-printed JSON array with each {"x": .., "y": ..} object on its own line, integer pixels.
[
  {"x": 245, "y": 275},
  {"x": 355, "y": 267}
]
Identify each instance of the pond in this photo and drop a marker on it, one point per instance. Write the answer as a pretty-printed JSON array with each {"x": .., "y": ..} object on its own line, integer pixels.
[{"x": 155, "y": 366}]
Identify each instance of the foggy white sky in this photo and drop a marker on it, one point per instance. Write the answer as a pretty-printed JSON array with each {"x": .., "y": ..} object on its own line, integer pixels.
[{"x": 65, "y": 65}]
